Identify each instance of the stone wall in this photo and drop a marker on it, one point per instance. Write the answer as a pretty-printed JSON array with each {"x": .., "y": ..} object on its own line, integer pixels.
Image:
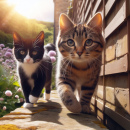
[{"x": 60, "y": 6}]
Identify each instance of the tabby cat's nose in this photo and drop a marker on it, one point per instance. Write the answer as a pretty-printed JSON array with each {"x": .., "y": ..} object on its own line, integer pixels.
[{"x": 79, "y": 53}]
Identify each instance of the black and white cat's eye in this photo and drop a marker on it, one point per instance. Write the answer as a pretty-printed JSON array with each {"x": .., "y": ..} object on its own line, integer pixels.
[
  {"x": 22, "y": 52},
  {"x": 88, "y": 42},
  {"x": 70, "y": 42},
  {"x": 34, "y": 52}
]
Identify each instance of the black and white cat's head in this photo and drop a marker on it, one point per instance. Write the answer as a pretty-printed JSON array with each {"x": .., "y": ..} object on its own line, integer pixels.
[{"x": 28, "y": 51}]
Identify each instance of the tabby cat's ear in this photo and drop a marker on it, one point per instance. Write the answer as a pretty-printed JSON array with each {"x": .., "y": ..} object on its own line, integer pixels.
[
  {"x": 96, "y": 22},
  {"x": 39, "y": 39},
  {"x": 65, "y": 23},
  {"x": 17, "y": 39}
]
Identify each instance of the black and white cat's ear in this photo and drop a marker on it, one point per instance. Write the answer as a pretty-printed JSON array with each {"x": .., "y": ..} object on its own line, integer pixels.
[
  {"x": 65, "y": 23},
  {"x": 17, "y": 39},
  {"x": 96, "y": 22},
  {"x": 39, "y": 40}
]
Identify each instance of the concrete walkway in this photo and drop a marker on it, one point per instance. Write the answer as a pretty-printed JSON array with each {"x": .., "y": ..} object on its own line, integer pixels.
[{"x": 50, "y": 115}]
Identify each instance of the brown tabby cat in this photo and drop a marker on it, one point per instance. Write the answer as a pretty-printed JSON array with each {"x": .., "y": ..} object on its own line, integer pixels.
[{"x": 79, "y": 50}]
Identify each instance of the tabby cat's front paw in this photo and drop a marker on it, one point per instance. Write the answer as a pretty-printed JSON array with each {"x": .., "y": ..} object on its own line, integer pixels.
[
  {"x": 86, "y": 109},
  {"x": 33, "y": 99},
  {"x": 27, "y": 105}
]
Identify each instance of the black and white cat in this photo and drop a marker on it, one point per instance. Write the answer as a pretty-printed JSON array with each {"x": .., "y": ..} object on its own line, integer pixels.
[{"x": 34, "y": 66}]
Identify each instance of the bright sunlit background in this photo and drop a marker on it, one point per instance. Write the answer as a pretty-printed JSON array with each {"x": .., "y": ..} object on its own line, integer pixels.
[{"x": 42, "y": 10}]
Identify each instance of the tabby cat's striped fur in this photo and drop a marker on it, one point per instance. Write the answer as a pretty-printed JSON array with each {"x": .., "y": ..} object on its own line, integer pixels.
[{"x": 79, "y": 50}]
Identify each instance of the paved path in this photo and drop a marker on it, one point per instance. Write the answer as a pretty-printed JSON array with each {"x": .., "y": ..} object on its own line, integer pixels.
[{"x": 50, "y": 115}]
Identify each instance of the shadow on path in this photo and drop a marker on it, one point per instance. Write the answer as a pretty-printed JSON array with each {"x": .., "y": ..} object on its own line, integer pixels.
[{"x": 46, "y": 111}]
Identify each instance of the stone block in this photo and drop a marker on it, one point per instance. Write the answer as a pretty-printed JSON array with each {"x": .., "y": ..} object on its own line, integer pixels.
[
  {"x": 93, "y": 100},
  {"x": 100, "y": 104},
  {"x": 122, "y": 98},
  {"x": 122, "y": 43},
  {"x": 110, "y": 53},
  {"x": 100, "y": 91},
  {"x": 110, "y": 106},
  {"x": 92, "y": 108},
  {"x": 110, "y": 97},
  {"x": 100, "y": 114},
  {"x": 121, "y": 80}
]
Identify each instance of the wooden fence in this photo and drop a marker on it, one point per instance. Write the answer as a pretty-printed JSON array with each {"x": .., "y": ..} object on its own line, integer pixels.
[{"x": 111, "y": 101}]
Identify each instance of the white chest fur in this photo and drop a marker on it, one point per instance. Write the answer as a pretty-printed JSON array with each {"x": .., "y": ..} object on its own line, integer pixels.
[{"x": 29, "y": 69}]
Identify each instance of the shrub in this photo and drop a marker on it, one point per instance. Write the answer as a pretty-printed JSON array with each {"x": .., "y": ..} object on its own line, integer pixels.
[{"x": 10, "y": 94}]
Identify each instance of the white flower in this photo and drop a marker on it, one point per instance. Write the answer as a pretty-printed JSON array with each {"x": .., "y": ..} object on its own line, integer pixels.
[
  {"x": 8, "y": 93},
  {"x": 17, "y": 96},
  {"x": 4, "y": 108}
]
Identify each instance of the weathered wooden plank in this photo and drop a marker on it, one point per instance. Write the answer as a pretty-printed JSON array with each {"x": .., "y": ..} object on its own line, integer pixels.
[
  {"x": 122, "y": 100},
  {"x": 98, "y": 2},
  {"x": 117, "y": 66},
  {"x": 128, "y": 31},
  {"x": 125, "y": 123},
  {"x": 81, "y": 8},
  {"x": 127, "y": 8},
  {"x": 108, "y": 6},
  {"x": 100, "y": 104},
  {"x": 110, "y": 95},
  {"x": 100, "y": 114},
  {"x": 122, "y": 42},
  {"x": 102, "y": 69},
  {"x": 117, "y": 20},
  {"x": 87, "y": 12}
]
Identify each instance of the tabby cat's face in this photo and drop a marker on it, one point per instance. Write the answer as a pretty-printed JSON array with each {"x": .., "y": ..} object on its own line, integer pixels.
[
  {"x": 79, "y": 42},
  {"x": 28, "y": 51}
]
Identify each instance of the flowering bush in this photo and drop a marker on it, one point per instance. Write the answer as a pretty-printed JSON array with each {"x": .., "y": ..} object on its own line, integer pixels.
[
  {"x": 6, "y": 59},
  {"x": 11, "y": 96}
]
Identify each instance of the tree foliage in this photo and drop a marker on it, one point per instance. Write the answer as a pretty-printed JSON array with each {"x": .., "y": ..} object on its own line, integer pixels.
[{"x": 11, "y": 21}]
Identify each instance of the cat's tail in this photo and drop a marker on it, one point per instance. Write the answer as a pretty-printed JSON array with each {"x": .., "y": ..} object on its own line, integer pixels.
[{"x": 50, "y": 51}]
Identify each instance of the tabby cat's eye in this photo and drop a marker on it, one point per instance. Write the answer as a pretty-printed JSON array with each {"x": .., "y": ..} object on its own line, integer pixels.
[
  {"x": 88, "y": 42},
  {"x": 70, "y": 42},
  {"x": 34, "y": 52},
  {"x": 22, "y": 52}
]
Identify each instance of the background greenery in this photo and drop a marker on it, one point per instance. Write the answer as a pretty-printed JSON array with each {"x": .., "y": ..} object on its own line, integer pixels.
[{"x": 11, "y": 21}]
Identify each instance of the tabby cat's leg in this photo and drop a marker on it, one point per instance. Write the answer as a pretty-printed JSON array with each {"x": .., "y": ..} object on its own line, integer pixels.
[
  {"x": 47, "y": 90},
  {"x": 68, "y": 98},
  {"x": 86, "y": 94}
]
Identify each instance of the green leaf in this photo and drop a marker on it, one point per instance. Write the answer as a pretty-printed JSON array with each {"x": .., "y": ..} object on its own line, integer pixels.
[{"x": 16, "y": 84}]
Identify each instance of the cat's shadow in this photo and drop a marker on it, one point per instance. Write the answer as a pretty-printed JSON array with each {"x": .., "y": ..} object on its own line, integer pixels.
[
  {"x": 84, "y": 119},
  {"x": 46, "y": 111}
]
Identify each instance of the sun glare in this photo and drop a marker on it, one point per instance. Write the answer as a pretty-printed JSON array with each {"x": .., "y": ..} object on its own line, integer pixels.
[{"x": 31, "y": 8}]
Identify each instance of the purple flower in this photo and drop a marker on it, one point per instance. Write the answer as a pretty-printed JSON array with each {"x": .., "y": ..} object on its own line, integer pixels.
[
  {"x": 53, "y": 59},
  {"x": 2, "y": 45},
  {"x": 0, "y": 54},
  {"x": 5, "y": 49},
  {"x": 52, "y": 53},
  {"x": 8, "y": 93},
  {"x": 0, "y": 48},
  {"x": 7, "y": 61},
  {"x": 8, "y": 54},
  {"x": 9, "y": 50},
  {"x": 3, "y": 63},
  {"x": 1, "y": 59}
]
